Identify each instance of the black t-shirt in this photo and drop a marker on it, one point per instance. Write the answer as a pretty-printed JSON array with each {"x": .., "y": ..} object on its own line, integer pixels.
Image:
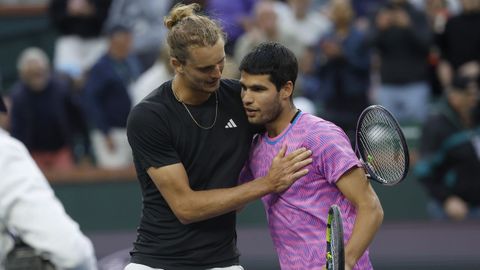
[{"x": 161, "y": 132}]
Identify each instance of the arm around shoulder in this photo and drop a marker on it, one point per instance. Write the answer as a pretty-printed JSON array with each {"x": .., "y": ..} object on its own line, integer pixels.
[{"x": 193, "y": 206}]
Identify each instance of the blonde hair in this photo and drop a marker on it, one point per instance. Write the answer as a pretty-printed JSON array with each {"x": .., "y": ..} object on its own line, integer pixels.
[{"x": 188, "y": 29}]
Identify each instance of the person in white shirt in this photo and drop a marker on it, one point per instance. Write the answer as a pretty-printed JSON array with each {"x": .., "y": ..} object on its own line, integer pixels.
[{"x": 29, "y": 208}]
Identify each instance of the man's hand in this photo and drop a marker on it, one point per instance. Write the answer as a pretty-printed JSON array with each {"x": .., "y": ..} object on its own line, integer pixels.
[{"x": 285, "y": 170}]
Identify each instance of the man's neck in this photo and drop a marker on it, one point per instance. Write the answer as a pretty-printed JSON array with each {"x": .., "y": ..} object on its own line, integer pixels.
[
  {"x": 282, "y": 122},
  {"x": 185, "y": 94}
]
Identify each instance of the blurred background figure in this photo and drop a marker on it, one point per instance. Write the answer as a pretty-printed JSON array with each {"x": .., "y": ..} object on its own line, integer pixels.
[
  {"x": 107, "y": 100},
  {"x": 265, "y": 27},
  {"x": 80, "y": 42},
  {"x": 402, "y": 40},
  {"x": 30, "y": 211},
  {"x": 145, "y": 19},
  {"x": 343, "y": 68},
  {"x": 460, "y": 42},
  {"x": 305, "y": 23},
  {"x": 234, "y": 16},
  {"x": 160, "y": 72},
  {"x": 42, "y": 112},
  {"x": 450, "y": 154}
]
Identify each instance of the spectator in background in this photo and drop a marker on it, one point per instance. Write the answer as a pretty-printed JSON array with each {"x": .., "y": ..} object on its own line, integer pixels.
[
  {"x": 145, "y": 19},
  {"x": 80, "y": 42},
  {"x": 450, "y": 154},
  {"x": 402, "y": 39},
  {"x": 41, "y": 112},
  {"x": 265, "y": 27},
  {"x": 233, "y": 16},
  {"x": 307, "y": 25},
  {"x": 107, "y": 100},
  {"x": 30, "y": 210},
  {"x": 460, "y": 43},
  {"x": 343, "y": 67},
  {"x": 151, "y": 79}
]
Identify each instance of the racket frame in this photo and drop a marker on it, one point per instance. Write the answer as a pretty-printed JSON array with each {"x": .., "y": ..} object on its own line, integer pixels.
[
  {"x": 335, "y": 246},
  {"x": 369, "y": 172}
]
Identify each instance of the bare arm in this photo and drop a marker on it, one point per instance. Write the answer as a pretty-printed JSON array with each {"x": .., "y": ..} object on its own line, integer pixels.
[
  {"x": 193, "y": 206},
  {"x": 357, "y": 189}
]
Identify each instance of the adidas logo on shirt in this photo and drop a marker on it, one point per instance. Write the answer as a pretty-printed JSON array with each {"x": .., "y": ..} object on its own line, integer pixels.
[{"x": 230, "y": 124}]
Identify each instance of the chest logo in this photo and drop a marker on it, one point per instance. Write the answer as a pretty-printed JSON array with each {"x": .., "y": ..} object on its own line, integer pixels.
[{"x": 230, "y": 124}]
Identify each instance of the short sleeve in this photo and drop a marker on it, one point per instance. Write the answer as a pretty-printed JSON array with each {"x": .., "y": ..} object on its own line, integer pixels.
[
  {"x": 150, "y": 138},
  {"x": 332, "y": 152}
]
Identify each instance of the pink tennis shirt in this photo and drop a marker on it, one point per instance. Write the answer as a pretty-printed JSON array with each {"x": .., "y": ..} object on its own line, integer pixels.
[{"x": 297, "y": 218}]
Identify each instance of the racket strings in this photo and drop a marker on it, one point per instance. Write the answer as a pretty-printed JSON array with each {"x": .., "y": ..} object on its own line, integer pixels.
[{"x": 383, "y": 145}]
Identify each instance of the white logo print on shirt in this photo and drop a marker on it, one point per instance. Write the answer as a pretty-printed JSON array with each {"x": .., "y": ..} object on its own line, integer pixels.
[{"x": 230, "y": 124}]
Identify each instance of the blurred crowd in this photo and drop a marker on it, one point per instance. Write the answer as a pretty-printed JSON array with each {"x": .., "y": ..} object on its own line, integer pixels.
[{"x": 419, "y": 59}]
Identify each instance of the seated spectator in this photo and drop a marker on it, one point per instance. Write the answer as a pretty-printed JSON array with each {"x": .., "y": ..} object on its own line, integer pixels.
[
  {"x": 30, "y": 210},
  {"x": 107, "y": 100},
  {"x": 450, "y": 154},
  {"x": 41, "y": 110}
]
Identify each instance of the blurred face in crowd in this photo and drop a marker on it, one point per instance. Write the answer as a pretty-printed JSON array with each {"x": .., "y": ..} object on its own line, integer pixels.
[
  {"x": 35, "y": 74},
  {"x": 465, "y": 99},
  {"x": 266, "y": 17},
  {"x": 203, "y": 68},
  {"x": 341, "y": 12},
  {"x": 120, "y": 44}
]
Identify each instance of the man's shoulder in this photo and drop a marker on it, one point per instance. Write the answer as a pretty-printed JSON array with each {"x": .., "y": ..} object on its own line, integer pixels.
[
  {"x": 314, "y": 122},
  {"x": 156, "y": 104},
  {"x": 315, "y": 129}
]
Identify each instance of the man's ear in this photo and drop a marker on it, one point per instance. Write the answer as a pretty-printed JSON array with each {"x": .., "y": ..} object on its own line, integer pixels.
[
  {"x": 287, "y": 90},
  {"x": 177, "y": 65}
]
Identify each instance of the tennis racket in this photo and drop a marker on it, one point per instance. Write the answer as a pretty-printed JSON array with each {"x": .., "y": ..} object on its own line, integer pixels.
[
  {"x": 335, "y": 245},
  {"x": 381, "y": 146}
]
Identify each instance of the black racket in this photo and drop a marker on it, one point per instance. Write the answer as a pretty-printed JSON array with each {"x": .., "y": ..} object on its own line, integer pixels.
[
  {"x": 335, "y": 245},
  {"x": 381, "y": 146}
]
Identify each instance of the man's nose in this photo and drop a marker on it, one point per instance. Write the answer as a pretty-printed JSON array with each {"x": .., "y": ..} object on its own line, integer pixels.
[
  {"x": 246, "y": 97},
  {"x": 217, "y": 72}
]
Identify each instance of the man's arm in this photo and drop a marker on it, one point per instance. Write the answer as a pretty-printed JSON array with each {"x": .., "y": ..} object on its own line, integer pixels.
[
  {"x": 357, "y": 189},
  {"x": 193, "y": 206}
]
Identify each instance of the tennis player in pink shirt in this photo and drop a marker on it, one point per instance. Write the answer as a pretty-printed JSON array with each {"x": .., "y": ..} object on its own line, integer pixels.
[{"x": 297, "y": 217}]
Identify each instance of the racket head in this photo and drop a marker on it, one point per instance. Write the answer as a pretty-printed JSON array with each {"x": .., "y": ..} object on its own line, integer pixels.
[
  {"x": 381, "y": 146},
  {"x": 335, "y": 246}
]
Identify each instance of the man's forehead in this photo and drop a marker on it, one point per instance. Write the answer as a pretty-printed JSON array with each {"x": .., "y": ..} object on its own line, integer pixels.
[{"x": 206, "y": 55}]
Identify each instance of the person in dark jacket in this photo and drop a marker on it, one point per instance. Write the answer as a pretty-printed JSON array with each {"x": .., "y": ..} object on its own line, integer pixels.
[
  {"x": 107, "y": 100},
  {"x": 449, "y": 167},
  {"x": 42, "y": 107},
  {"x": 402, "y": 40}
]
